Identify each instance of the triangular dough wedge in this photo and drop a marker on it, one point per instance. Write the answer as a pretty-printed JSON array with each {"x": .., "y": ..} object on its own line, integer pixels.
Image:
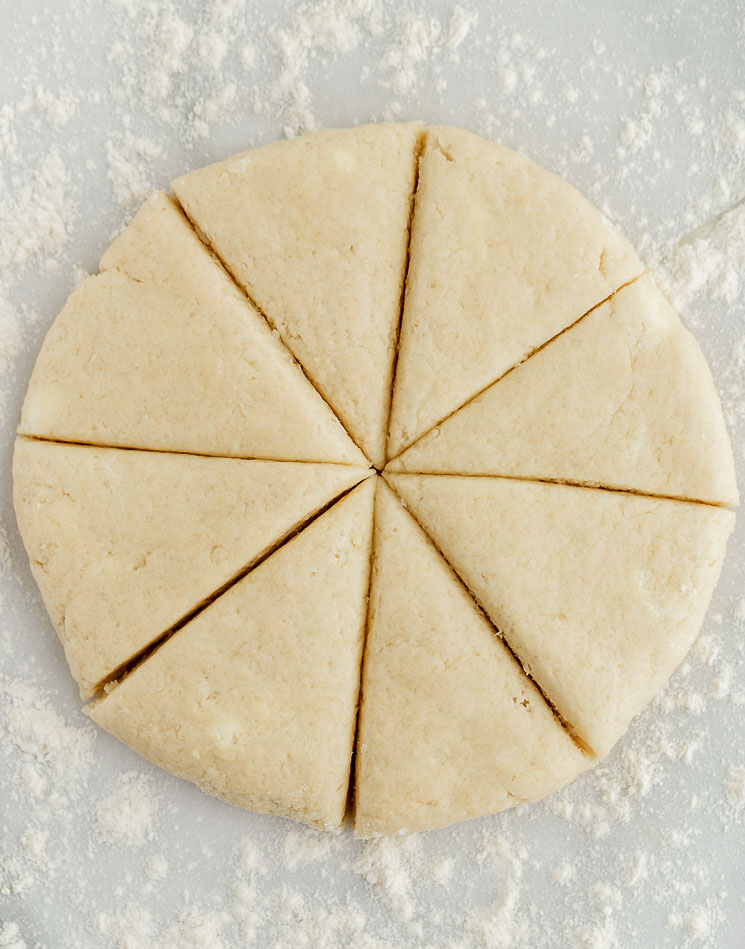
[
  {"x": 255, "y": 699},
  {"x": 504, "y": 255},
  {"x": 599, "y": 594},
  {"x": 316, "y": 230},
  {"x": 624, "y": 399},
  {"x": 124, "y": 544},
  {"x": 163, "y": 351},
  {"x": 450, "y": 727}
]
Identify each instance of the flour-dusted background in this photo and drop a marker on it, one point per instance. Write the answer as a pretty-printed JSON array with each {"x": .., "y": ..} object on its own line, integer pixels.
[{"x": 640, "y": 105}]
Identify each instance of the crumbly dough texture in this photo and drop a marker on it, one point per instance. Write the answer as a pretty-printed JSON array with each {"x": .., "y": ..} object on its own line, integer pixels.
[
  {"x": 210, "y": 551},
  {"x": 124, "y": 544},
  {"x": 504, "y": 255},
  {"x": 315, "y": 229},
  {"x": 623, "y": 399},
  {"x": 599, "y": 593},
  {"x": 450, "y": 727},
  {"x": 256, "y": 699},
  {"x": 160, "y": 345}
]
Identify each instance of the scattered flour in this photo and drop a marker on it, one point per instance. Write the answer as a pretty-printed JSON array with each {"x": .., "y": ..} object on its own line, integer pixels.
[
  {"x": 157, "y": 867},
  {"x": 709, "y": 265},
  {"x": 134, "y": 927},
  {"x": 417, "y": 35},
  {"x": 564, "y": 873},
  {"x": 734, "y": 785},
  {"x": 31, "y": 725},
  {"x": 48, "y": 762},
  {"x": 34, "y": 843},
  {"x": 385, "y": 865},
  {"x": 502, "y": 926},
  {"x": 638, "y": 870},
  {"x": 10, "y": 936},
  {"x": 441, "y": 871},
  {"x": 210, "y": 110},
  {"x": 12, "y": 338},
  {"x": 600, "y": 936},
  {"x": 246, "y": 907},
  {"x": 129, "y": 160},
  {"x": 125, "y": 817},
  {"x": 177, "y": 74},
  {"x": 36, "y": 214},
  {"x": 197, "y": 929},
  {"x": 697, "y": 923},
  {"x": 56, "y": 109},
  {"x": 334, "y": 27},
  {"x": 303, "y": 846}
]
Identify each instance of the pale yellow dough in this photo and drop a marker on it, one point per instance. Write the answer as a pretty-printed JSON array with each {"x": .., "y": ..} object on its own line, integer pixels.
[
  {"x": 208, "y": 572},
  {"x": 450, "y": 727},
  {"x": 316, "y": 230},
  {"x": 598, "y": 593},
  {"x": 504, "y": 255},
  {"x": 163, "y": 351},
  {"x": 624, "y": 399},
  {"x": 124, "y": 544},
  {"x": 255, "y": 700}
]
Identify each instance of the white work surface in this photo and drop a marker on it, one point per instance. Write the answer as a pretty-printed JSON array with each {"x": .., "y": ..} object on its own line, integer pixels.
[{"x": 642, "y": 107}]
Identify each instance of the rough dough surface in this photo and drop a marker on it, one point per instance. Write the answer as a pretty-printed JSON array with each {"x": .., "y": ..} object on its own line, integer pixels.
[
  {"x": 598, "y": 593},
  {"x": 124, "y": 544},
  {"x": 199, "y": 453},
  {"x": 316, "y": 230},
  {"x": 504, "y": 255},
  {"x": 152, "y": 351},
  {"x": 450, "y": 727},
  {"x": 255, "y": 699},
  {"x": 624, "y": 399}
]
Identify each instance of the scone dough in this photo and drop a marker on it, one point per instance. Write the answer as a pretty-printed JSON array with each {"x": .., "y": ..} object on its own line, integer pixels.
[
  {"x": 599, "y": 594},
  {"x": 504, "y": 255},
  {"x": 624, "y": 399},
  {"x": 199, "y": 453},
  {"x": 162, "y": 344},
  {"x": 450, "y": 727},
  {"x": 255, "y": 700},
  {"x": 315, "y": 229},
  {"x": 124, "y": 544}
]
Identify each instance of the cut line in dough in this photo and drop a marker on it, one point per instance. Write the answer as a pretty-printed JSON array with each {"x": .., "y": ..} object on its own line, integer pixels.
[
  {"x": 125, "y": 544},
  {"x": 571, "y": 732},
  {"x": 623, "y": 399},
  {"x": 450, "y": 727},
  {"x": 270, "y": 324},
  {"x": 570, "y": 484},
  {"x": 394, "y": 459},
  {"x": 179, "y": 466},
  {"x": 191, "y": 454},
  {"x": 397, "y": 349},
  {"x": 600, "y": 594},
  {"x": 160, "y": 344},
  {"x": 119, "y": 675},
  {"x": 504, "y": 256},
  {"x": 352, "y": 790},
  {"x": 316, "y": 229},
  {"x": 255, "y": 699}
]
